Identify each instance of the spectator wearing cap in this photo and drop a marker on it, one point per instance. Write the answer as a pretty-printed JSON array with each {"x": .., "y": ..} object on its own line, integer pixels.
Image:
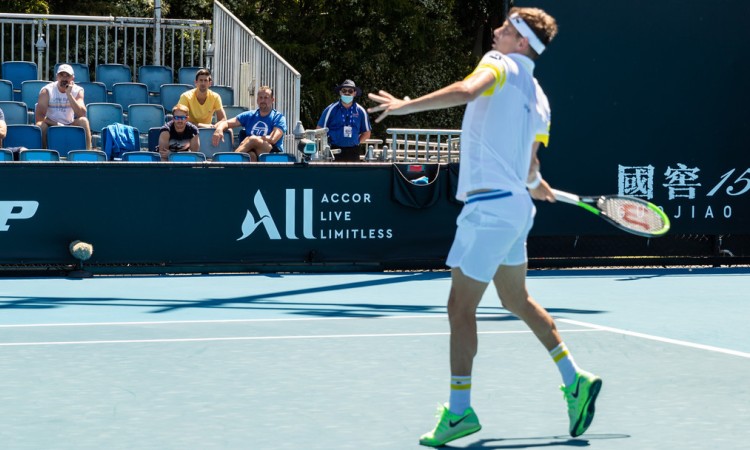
[
  {"x": 61, "y": 103},
  {"x": 347, "y": 122}
]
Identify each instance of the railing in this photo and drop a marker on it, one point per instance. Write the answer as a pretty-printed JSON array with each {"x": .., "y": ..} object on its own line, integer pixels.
[
  {"x": 420, "y": 145},
  {"x": 93, "y": 40},
  {"x": 244, "y": 61}
]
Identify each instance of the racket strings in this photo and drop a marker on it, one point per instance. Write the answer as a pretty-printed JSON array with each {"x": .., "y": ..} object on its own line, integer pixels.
[{"x": 632, "y": 214}]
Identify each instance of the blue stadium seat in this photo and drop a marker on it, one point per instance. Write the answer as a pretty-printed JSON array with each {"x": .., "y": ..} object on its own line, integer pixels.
[
  {"x": 87, "y": 155},
  {"x": 16, "y": 113},
  {"x": 80, "y": 72},
  {"x": 154, "y": 77},
  {"x": 109, "y": 74},
  {"x": 145, "y": 116},
  {"x": 170, "y": 94},
  {"x": 276, "y": 157},
  {"x": 205, "y": 135},
  {"x": 29, "y": 136},
  {"x": 141, "y": 156},
  {"x": 93, "y": 92},
  {"x": 153, "y": 139},
  {"x": 186, "y": 75},
  {"x": 5, "y": 155},
  {"x": 226, "y": 93},
  {"x": 17, "y": 72},
  {"x": 37, "y": 154},
  {"x": 187, "y": 157},
  {"x": 6, "y": 91},
  {"x": 101, "y": 115},
  {"x": 230, "y": 157},
  {"x": 232, "y": 111},
  {"x": 66, "y": 138},
  {"x": 126, "y": 94},
  {"x": 30, "y": 95}
]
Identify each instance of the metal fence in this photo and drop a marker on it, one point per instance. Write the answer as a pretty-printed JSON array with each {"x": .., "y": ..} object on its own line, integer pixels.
[
  {"x": 420, "y": 145},
  {"x": 241, "y": 59},
  {"x": 93, "y": 40}
]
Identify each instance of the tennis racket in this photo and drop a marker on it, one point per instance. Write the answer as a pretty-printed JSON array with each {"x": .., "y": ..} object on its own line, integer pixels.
[{"x": 627, "y": 213}]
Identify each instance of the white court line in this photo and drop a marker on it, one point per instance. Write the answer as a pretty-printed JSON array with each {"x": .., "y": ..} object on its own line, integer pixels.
[
  {"x": 259, "y": 338},
  {"x": 440, "y": 315},
  {"x": 656, "y": 338}
]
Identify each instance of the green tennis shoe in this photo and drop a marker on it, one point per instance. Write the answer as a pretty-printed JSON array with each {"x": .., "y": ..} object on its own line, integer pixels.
[
  {"x": 581, "y": 396},
  {"x": 451, "y": 427}
]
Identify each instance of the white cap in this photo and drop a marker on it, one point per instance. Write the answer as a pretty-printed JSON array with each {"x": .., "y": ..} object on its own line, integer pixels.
[{"x": 65, "y": 68}]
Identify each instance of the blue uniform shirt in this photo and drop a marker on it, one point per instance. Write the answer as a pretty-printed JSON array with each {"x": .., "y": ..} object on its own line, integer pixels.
[
  {"x": 257, "y": 125},
  {"x": 336, "y": 117}
]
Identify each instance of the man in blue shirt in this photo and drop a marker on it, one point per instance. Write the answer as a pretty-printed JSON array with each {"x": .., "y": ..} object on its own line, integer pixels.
[
  {"x": 265, "y": 127},
  {"x": 347, "y": 122}
]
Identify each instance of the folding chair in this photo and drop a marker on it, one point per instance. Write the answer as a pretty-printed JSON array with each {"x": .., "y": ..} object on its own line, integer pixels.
[
  {"x": 93, "y": 91},
  {"x": 6, "y": 91},
  {"x": 126, "y": 94},
  {"x": 170, "y": 94},
  {"x": 37, "y": 154},
  {"x": 109, "y": 74},
  {"x": 87, "y": 155},
  {"x": 141, "y": 157},
  {"x": 29, "y": 136},
  {"x": 186, "y": 75},
  {"x": 230, "y": 157},
  {"x": 226, "y": 93},
  {"x": 187, "y": 157},
  {"x": 205, "y": 135},
  {"x": 154, "y": 77},
  {"x": 16, "y": 113},
  {"x": 277, "y": 157},
  {"x": 101, "y": 115},
  {"x": 17, "y": 72},
  {"x": 145, "y": 116},
  {"x": 66, "y": 138},
  {"x": 80, "y": 72}
]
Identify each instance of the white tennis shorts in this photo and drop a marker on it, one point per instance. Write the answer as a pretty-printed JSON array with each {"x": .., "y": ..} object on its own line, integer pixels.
[{"x": 492, "y": 233}]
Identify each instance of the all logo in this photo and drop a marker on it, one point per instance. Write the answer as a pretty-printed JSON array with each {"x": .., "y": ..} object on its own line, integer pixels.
[{"x": 264, "y": 219}]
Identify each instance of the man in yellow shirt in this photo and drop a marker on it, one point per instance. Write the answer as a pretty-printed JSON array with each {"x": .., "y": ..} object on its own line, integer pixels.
[{"x": 202, "y": 102}]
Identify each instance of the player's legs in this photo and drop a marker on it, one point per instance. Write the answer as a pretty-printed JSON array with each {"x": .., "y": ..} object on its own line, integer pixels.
[
  {"x": 463, "y": 300},
  {"x": 510, "y": 282},
  {"x": 84, "y": 123}
]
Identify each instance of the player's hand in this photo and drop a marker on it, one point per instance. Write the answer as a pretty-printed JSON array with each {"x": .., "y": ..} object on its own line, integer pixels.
[
  {"x": 389, "y": 104},
  {"x": 216, "y": 138},
  {"x": 543, "y": 192}
]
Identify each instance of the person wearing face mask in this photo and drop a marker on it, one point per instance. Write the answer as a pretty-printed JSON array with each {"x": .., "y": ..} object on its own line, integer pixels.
[{"x": 347, "y": 122}]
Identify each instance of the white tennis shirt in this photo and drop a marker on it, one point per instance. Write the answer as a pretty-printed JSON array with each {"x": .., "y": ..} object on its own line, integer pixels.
[{"x": 500, "y": 126}]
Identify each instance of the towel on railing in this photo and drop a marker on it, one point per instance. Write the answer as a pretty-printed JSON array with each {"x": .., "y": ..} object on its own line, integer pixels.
[{"x": 118, "y": 139}]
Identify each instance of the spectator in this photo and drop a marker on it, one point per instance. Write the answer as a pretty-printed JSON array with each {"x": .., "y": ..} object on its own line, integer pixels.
[
  {"x": 348, "y": 123},
  {"x": 178, "y": 135},
  {"x": 265, "y": 127},
  {"x": 3, "y": 127},
  {"x": 203, "y": 102},
  {"x": 61, "y": 103}
]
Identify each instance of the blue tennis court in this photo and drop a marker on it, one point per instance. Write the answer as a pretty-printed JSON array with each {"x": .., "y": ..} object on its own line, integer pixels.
[{"x": 359, "y": 361}]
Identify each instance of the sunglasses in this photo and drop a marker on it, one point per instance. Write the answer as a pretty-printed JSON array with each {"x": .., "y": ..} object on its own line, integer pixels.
[
  {"x": 348, "y": 91},
  {"x": 180, "y": 117}
]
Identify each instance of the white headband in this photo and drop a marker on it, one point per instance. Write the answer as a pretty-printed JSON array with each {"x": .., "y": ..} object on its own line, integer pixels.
[{"x": 526, "y": 32}]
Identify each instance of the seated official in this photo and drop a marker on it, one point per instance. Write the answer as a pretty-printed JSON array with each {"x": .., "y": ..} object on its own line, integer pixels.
[
  {"x": 265, "y": 127},
  {"x": 178, "y": 135},
  {"x": 202, "y": 102},
  {"x": 61, "y": 103}
]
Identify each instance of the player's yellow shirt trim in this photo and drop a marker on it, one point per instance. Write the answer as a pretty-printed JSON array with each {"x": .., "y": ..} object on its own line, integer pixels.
[{"x": 499, "y": 77}]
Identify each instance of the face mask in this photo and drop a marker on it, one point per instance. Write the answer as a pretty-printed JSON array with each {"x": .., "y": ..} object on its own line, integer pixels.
[{"x": 347, "y": 98}]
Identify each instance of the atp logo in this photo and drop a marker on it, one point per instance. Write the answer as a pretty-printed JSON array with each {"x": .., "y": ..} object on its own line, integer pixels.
[
  {"x": 14, "y": 210},
  {"x": 266, "y": 221}
]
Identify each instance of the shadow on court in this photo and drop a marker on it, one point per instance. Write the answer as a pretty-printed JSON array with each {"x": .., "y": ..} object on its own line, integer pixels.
[{"x": 538, "y": 442}]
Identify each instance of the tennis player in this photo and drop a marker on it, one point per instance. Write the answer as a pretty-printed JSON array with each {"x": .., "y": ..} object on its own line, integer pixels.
[{"x": 507, "y": 117}]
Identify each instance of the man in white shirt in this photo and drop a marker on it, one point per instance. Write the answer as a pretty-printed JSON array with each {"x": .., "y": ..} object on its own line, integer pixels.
[
  {"x": 61, "y": 103},
  {"x": 507, "y": 117}
]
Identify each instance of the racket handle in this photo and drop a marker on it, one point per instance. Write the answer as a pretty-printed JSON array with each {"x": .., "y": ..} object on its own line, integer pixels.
[{"x": 566, "y": 197}]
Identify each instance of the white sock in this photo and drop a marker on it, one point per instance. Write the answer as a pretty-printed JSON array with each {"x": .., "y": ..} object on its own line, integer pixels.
[
  {"x": 565, "y": 363},
  {"x": 460, "y": 398}
]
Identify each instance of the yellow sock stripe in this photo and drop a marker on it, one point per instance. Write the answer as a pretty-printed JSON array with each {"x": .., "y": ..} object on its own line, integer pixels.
[
  {"x": 460, "y": 387},
  {"x": 560, "y": 356}
]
